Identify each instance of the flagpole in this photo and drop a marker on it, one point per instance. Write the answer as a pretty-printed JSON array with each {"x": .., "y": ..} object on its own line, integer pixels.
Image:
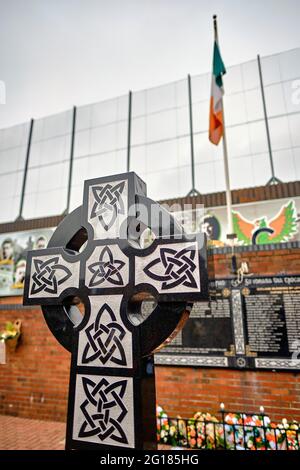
[{"x": 230, "y": 233}]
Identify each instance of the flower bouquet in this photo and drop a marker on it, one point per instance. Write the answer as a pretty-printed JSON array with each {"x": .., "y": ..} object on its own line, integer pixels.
[{"x": 11, "y": 333}]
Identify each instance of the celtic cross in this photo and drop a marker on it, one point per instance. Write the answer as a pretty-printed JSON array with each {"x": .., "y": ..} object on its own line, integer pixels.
[{"x": 94, "y": 255}]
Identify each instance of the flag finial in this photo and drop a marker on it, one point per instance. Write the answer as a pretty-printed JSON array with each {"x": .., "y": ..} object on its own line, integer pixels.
[{"x": 215, "y": 26}]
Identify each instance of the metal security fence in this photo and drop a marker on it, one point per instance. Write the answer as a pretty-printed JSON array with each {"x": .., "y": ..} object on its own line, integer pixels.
[
  {"x": 162, "y": 134},
  {"x": 233, "y": 431}
]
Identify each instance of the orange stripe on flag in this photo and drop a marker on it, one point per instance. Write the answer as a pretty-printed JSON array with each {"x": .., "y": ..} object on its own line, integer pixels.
[{"x": 215, "y": 124}]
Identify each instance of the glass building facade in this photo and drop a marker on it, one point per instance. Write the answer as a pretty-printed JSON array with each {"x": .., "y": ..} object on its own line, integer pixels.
[{"x": 160, "y": 143}]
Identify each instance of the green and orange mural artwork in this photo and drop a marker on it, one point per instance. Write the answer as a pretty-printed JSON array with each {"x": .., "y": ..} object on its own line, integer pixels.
[{"x": 281, "y": 228}]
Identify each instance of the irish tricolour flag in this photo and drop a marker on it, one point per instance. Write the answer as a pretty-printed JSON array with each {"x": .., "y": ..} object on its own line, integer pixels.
[{"x": 216, "y": 125}]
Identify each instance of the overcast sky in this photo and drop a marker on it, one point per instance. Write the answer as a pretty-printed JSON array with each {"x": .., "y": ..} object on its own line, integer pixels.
[{"x": 57, "y": 53}]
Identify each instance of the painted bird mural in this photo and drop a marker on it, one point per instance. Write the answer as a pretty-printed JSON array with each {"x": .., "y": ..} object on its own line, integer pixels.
[{"x": 261, "y": 231}]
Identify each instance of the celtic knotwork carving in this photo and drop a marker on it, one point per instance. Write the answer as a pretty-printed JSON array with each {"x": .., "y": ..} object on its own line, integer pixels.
[
  {"x": 105, "y": 339},
  {"x": 178, "y": 267},
  {"x": 106, "y": 269},
  {"x": 108, "y": 203},
  {"x": 48, "y": 275},
  {"x": 103, "y": 410},
  {"x": 111, "y": 355}
]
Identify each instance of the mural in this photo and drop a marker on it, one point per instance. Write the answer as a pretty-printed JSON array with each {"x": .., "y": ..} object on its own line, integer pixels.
[
  {"x": 13, "y": 250},
  {"x": 280, "y": 228},
  {"x": 254, "y": 224},
  {"x": 210, "y": 225}
]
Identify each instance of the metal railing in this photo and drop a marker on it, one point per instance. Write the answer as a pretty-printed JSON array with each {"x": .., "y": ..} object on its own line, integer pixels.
[{"x": 232, "y": 431}]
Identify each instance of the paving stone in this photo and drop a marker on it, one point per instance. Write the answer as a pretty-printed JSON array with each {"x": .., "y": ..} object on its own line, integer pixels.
[{"x": 31, "y": 434}]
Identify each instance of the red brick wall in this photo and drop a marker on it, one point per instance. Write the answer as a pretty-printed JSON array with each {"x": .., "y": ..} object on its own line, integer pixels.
[
  {"x": 185, "y": 390},
  {"x": 261, "y": 262},
  {"x": 34, "y": 382}
]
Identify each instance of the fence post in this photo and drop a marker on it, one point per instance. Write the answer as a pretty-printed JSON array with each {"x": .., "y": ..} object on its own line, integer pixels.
[
  {"x": 273, "y": 179},
  {"x": 129, "y": 130},
  {"x": 222, "y": 411},
  {"x": 193, "y": 191},
  {"x": 20, "y": 216},
  {"x": 71, "y": 159}
]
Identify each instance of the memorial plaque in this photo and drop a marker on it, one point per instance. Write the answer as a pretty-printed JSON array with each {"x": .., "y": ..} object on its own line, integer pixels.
[
  {"x": 253, "y": 324},
  {"x": 266, "y": 330}
]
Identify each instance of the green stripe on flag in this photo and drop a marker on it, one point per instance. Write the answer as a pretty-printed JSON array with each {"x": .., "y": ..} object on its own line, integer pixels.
[{"x": 218, "y": 66}]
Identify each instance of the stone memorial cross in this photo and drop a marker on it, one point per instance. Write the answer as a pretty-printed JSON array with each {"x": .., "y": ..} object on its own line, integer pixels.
[{"x": 94, "y": 255}]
